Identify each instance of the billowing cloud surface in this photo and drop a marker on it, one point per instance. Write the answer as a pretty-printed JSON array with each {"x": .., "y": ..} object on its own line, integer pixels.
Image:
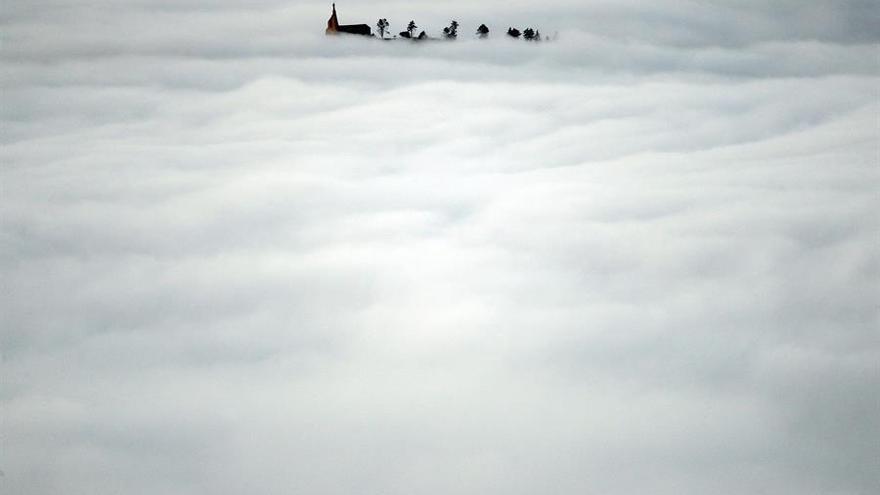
[{"x": 241, "y": 257}]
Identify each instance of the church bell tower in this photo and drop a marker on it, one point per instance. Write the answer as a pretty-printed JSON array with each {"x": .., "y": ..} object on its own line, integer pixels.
[{"x": 333, "y": 23}]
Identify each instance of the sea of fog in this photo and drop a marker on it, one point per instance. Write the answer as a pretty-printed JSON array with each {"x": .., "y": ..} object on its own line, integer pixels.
[{"x": 239, "y": 256}]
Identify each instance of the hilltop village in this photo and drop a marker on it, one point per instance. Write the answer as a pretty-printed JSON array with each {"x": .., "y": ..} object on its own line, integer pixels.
[{"x": 449, "y": 33}]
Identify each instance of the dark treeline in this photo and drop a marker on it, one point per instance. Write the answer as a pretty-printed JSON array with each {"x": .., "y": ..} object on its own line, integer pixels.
[{"x": 451, "y": 32}]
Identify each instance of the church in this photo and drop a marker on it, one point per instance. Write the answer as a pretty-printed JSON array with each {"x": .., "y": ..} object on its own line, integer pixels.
[{"x": 333, "y": 26}]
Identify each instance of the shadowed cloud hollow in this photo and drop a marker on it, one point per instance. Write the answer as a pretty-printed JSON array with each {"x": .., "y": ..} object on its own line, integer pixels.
[{"x": 240, "y": 256}]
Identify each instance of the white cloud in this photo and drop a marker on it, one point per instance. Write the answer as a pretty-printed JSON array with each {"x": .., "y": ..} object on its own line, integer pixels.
[{"x": 239, "y": 256}]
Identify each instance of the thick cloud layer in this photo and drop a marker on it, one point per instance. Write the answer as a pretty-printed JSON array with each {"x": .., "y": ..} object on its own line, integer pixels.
[{"x": 241, "y": 257}]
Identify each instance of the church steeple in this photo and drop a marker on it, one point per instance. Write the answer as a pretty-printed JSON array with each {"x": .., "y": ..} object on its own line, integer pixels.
[{"x": 333, "y": 23}]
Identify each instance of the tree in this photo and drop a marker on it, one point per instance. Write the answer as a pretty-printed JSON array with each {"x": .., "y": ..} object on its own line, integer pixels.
[
  {"x": 483, "y": 31},
  {"x": 382, "y": 26},
  {"x": 451, "y": 32},
  {"x": 411, "y": 28},
  {"x": 529, "y": 34},
  {"x": 537, "y": 35},
  {"x": 513, "y": 32}
]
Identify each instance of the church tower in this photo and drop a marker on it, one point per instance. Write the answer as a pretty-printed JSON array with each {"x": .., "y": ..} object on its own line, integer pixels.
[{"x": 333, "y": 23}]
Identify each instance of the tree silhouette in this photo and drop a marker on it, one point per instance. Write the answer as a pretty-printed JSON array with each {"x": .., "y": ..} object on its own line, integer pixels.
[
  {"x": 529, "y": 34},
  {"x": 411, "y": 28},
  {"x": 382, "y": 26},
  {"x": 513, "y": 32},
  {"x": 483, "y": 31},
  {"x": 451, "y": 32},
  {"x": 537, "y": 35}
]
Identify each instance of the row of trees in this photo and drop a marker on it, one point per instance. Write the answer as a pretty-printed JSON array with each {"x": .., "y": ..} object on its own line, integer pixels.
[
  {"x": 451, "y": 32},
  {"x": 528, "y": 34},
  {"x": 382, "y": 26}
]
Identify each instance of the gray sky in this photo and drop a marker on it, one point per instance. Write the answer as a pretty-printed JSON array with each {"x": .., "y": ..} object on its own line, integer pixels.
[{"x": 241, "y": 257}]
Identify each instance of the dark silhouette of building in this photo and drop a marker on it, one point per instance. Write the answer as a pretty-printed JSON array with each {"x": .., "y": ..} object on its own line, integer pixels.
[{"x": 333, "y": 26}]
